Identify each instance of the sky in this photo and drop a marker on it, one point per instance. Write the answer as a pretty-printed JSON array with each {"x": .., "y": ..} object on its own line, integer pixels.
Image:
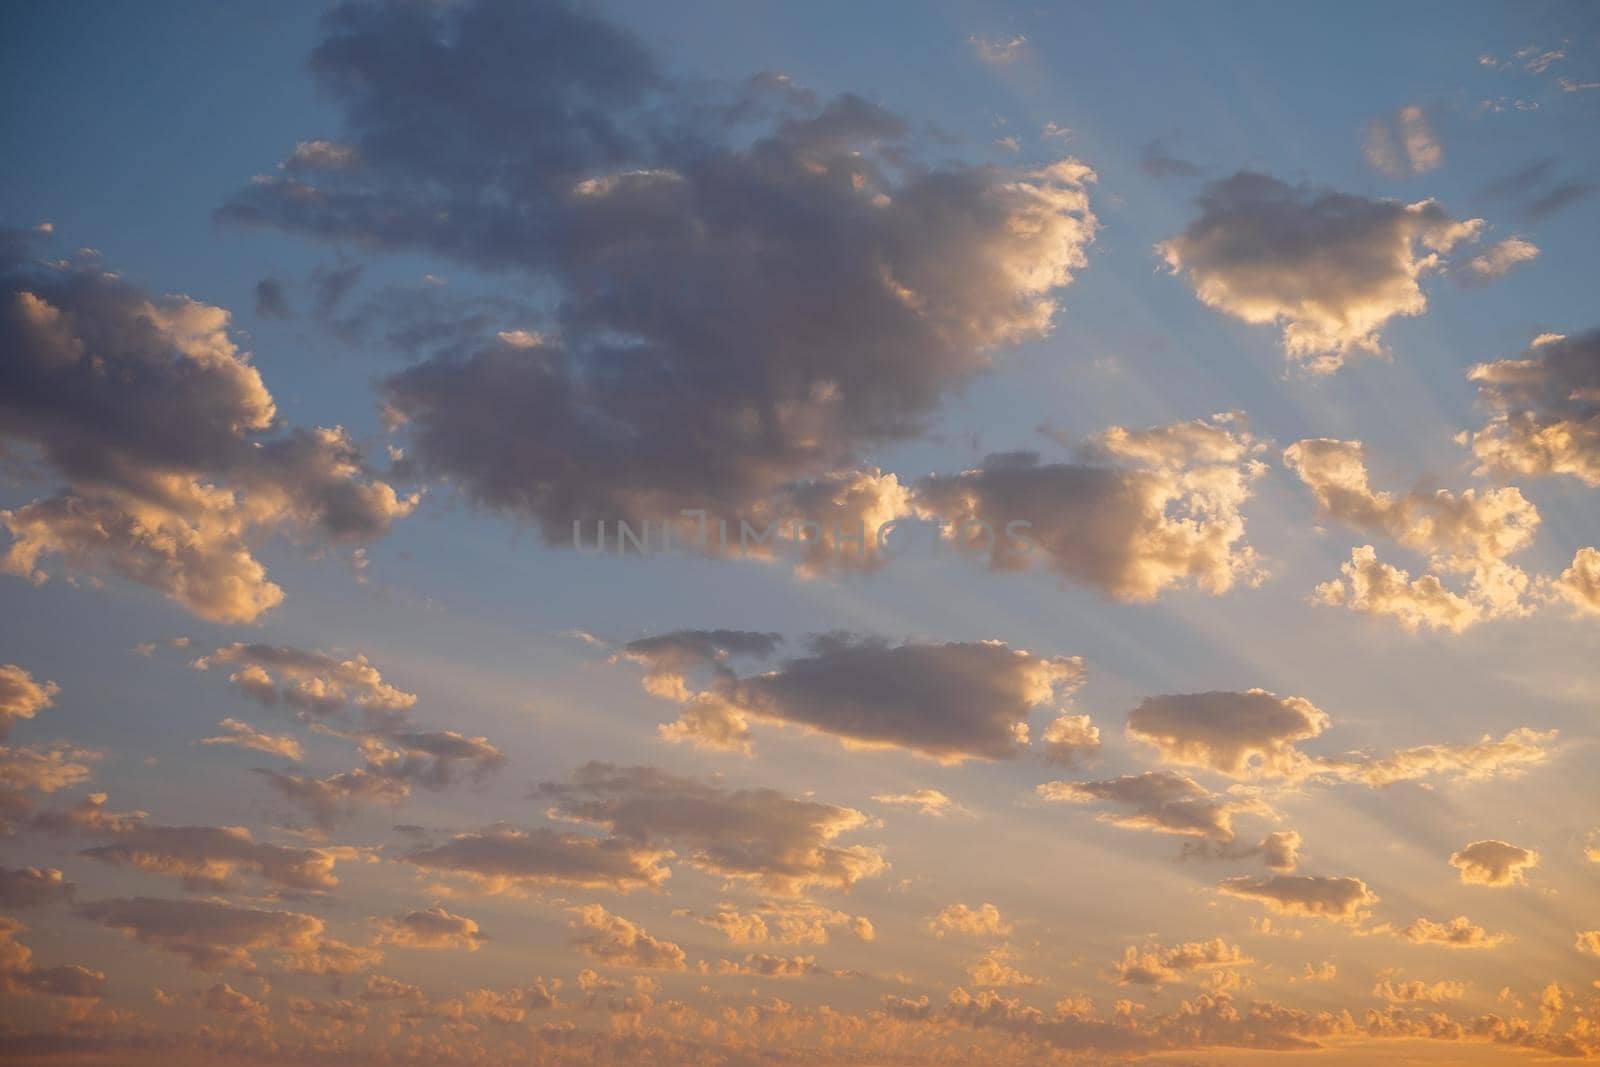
[{"x": 746, "y": 533}]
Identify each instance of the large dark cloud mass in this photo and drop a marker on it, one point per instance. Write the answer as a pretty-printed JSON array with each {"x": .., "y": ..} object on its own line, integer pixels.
[{"x": 748, "y": 287}]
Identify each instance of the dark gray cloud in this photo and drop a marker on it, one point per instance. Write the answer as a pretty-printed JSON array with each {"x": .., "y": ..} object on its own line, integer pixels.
[
  {"x": 210, "y": 857},
  {"x": 211, "y": 934},
  {"x": 19, "y": 974},
  {"x": 175, "y": 460},
  {"x": 751, "y": 286},
  {"x": 502, "y": 859},
  {"x": 1239, "y": 734},
  {"x": 951, "y": 701},
  {"x": 1330, "y": 268},
  {"x": 31, "y": 887},
  {"x": 1143, "y": 512},
  {"x": 272, "y": 299},
  {"x": 779, "y": 843},
  {"x": 1161, "y": 801}
]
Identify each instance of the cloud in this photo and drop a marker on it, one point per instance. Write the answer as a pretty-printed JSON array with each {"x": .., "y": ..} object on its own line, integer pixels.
[
  {"x": 1417, "y": 992},
  {"x": 243, "y": 735},
  {"x": 30, "y": 887},
  {"x": 432, "y": 928},
  {"x": 1331, "y": 268},
  {"x": 1545, "y": 409},
  {"x": 762, "y": 965},
  {"x": 1243, "y": 735},
  {"x": 1280, "y": 850},
  {"x": 616, "y": 942},
  {"x": 1070, "y": 739},
  {"x": 785, "y": 922},
  {"x": 951, "y": 701},
  {"x": 1471, "y": 533},
  {"x": 1589, "y": 942},
  {"x": 1497, "y": 261},
  {"x": 994, "y": 968},
  {"x": 1157, "y": 966},
  {"x": 175, "y": 460},
  {"x": 778, "y": 271},
  {"x": 1459, "y": 932},
  {"x": 926, "y": 801},
  {"x": 329, "y": 798},
  {"x": 272, "y": 302},
  {"x": 1494, "y": 863},
  {"x": 998, "y": 51},
  {"x": 1160, "y": 801},
  {"x": 1158, "y": 510},
  {"x": 1489, "y": 757},
  {"x": 1404, "y": 147},
  {"x": 211, "y": 934},
  {"x": 19, "y": 974},
  {"x": 30, "y": 770},
  {"x": 21, "y": 697},
  {"x": 781, "y": 844},
  {"x": 1336, "y": 898},
  {"x": 982, "y": 921},
  {"x": 314, "y": 682},
  {"x": 1579, "y": 584},
  {"x": 209, "y": 857},
  {"x": 502, "y": 860}
]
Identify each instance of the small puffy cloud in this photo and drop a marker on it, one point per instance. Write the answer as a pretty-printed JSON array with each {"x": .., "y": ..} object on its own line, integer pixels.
[
  {"x": 243, "y": 735},
  {"x": 314, "y": 682},
  {"x": 27, "y": 771},
  {"x": 1158, "y": 966},
  {"x": 1404, "y": 146},
  {"x": 925, "y": 801},
  {"x": 1470, "y": 533},
  {"x": 951, "y": 701},
  {"x": 982, "y": 921},
  {"x": 1494, "y": 863},
  {"x": 1070, "y": 739},
  {"x": 431, "y": 928},
  {"x": 175, "y": 460},
  {"x": 1545, "y": 409},
  {"x": 1331, "y": 268},
  {"x": 1161, "y": 801},
  {"x": 994, "y": 968},
  {"x": 1152, "y": 510},
  {"x": 616, "y": 942},
  {"x": 211, "y": 934},
  {"x": 503, "y": 860},
  {"x": 31, "y": 887},
  {"x": 1243, "y": 735},
  {"x": 21, "y": 697},
  {"x": 1496, "y": 261},
  {"x": 1333, "y": 897},
  {"x": 1589, "y": 942},
  {"x": 1418, "y": 992},
  {"x": 19, "y": 973},
  {"x": 1459, "y": 932},
  {"x": 1579, "y": 584},
  {"x": 782, "y": 844},
  {"x": 1280, "y": 850},
  {"x": 764, "y": 965}
]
